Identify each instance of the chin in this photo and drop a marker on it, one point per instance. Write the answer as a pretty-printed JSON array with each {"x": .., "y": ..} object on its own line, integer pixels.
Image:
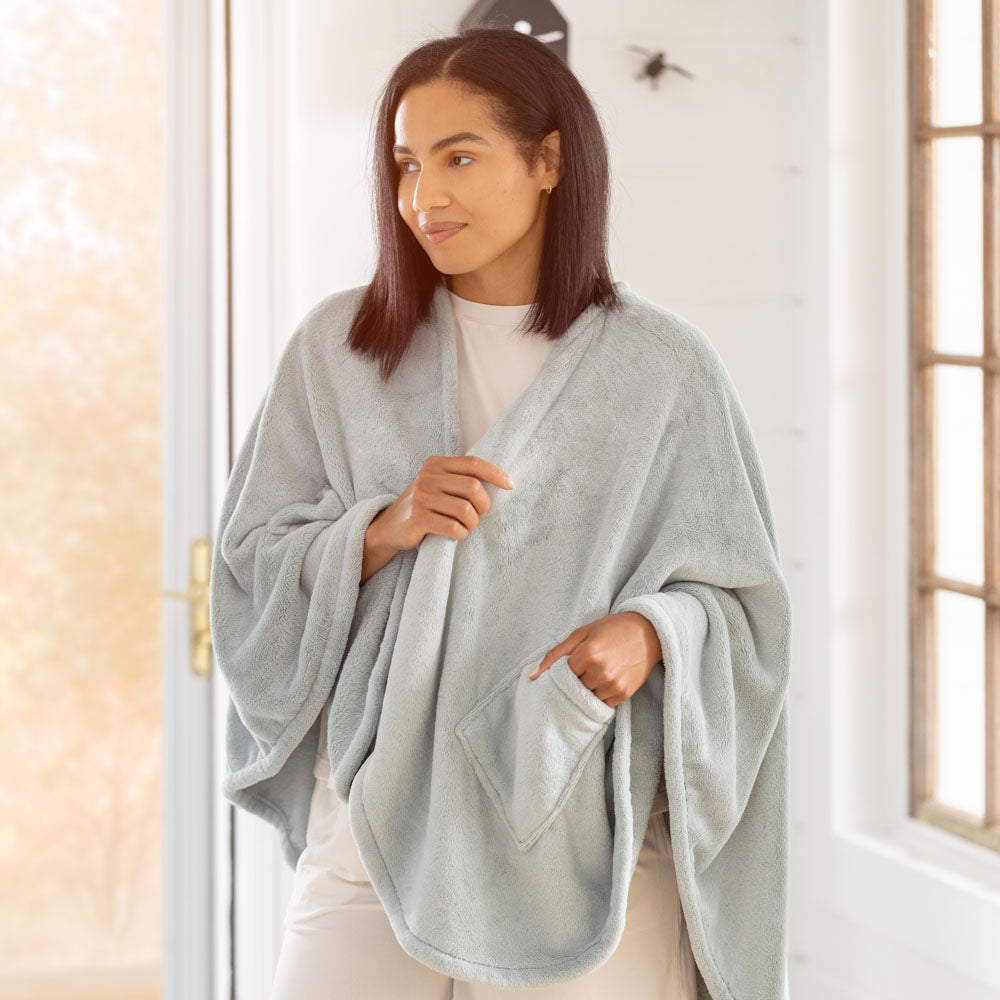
[{"x": 451, "y": 268}]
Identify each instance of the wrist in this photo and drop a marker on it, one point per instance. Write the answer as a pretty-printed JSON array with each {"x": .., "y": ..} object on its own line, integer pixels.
[
  {"x": 375, "y": 553},
  {"x": 374, "y": 540},
  {"x": 650, "y": 637}
]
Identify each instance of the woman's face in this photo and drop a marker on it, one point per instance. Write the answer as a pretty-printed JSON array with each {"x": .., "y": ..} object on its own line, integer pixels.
[{"x": 448, "y": 175}]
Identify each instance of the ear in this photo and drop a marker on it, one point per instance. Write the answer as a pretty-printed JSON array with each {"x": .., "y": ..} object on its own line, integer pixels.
[{"x": 551, "y": 155}]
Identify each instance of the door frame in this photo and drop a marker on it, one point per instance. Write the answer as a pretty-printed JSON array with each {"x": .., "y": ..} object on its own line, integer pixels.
[
  {"x": 238, "y": 87},
  {"x": 217, "y": 864},
  {"x": 194, "y": 862}
]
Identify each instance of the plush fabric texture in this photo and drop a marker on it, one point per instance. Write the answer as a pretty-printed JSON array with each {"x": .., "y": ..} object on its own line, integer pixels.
[{"x": 499, "y": 818}]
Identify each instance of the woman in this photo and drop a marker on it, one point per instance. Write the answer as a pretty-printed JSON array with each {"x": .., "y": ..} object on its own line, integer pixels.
[{"x": 497, "y": 837}]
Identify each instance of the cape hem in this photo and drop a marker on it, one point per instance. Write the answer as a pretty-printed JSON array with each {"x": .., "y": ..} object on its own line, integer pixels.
[{"x": 524, "y": 976}]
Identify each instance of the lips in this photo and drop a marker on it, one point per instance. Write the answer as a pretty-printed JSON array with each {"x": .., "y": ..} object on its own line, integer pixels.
[{"x": 440, "y": 234}]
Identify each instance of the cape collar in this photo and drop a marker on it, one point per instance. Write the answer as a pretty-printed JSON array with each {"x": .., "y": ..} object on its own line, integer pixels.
[{"x": 505, "y": 438}]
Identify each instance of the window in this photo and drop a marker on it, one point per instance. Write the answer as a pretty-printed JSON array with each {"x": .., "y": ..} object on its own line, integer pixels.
[
  {"x": 81, "y": 420},
  {"x": 955, "y": 416}
]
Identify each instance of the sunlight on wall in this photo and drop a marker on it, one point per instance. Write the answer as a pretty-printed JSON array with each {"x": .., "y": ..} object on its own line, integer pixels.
[{"x": 80, "y": 704}]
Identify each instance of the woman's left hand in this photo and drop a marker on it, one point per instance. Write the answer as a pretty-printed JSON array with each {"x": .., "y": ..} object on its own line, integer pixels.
[{"x": 612, "y": 656}]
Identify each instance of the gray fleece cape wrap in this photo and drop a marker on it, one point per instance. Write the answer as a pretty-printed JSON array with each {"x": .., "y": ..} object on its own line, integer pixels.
[{"x": 499, "y": 818}]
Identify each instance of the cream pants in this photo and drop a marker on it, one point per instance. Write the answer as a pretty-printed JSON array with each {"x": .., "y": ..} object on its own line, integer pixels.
[{"x": 338, "y": 943}]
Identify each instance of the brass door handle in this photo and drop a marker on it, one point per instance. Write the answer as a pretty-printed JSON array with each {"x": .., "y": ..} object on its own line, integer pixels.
[{"x": 197, "y": 597}]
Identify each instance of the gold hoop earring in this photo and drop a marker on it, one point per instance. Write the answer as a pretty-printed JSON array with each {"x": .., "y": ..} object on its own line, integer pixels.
[{"x": 549, "y": 189}]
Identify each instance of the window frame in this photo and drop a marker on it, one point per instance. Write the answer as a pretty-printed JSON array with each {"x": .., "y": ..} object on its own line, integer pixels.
[{"x": 925, "y": 582}]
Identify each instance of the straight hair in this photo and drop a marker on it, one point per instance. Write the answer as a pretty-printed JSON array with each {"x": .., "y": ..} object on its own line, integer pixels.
[{"x": 531, "y": 92}]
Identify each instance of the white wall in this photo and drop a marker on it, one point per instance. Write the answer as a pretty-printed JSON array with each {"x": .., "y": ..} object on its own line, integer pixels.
[
  {"x": 890, "y": 906},
  {"x": 765, "y": 201}
]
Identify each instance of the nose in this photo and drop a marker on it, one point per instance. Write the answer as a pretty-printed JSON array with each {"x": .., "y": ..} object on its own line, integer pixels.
[{"x": 428, "y": 193}]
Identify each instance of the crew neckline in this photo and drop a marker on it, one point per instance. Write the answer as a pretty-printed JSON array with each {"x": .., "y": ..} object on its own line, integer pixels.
[{"x": 486, "y": 312}]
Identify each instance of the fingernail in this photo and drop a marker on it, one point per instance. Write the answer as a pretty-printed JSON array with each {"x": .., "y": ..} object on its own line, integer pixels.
[{"x": 511, "y": 483}]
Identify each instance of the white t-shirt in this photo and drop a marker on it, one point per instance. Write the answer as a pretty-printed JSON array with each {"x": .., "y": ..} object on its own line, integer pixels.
[{"x": 496, "y": 363}]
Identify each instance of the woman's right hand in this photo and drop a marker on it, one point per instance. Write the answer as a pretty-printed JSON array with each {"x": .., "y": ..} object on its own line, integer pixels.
[{"x": 446, "y": 498}]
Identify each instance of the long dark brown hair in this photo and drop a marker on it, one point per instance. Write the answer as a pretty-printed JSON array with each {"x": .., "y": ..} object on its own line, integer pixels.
[{"x": 531, "y": 92}]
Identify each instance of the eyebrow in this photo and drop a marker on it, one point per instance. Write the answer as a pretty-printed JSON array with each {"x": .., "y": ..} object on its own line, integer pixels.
[{"x": 449, "y": 140}]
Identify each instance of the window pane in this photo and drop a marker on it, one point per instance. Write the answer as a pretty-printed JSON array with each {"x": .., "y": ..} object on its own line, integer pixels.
[
  {"x": 80, "y": 399},
  {"x": 961, "y": 704},
  {"x": 956, "y": 63},
  {"x": 958, "y": 249},
  {"x": 958, "y": 428}
]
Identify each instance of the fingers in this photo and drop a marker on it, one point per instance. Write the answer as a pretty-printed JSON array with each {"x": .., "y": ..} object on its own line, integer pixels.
[
  {"x": 473, "y": 465},
  {"x": 563, "y": 649}
]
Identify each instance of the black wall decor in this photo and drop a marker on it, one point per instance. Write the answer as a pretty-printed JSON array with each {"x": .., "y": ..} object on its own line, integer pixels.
[
  {"x": 656, "y": 63},
  {"x": 537, "y": 18}
]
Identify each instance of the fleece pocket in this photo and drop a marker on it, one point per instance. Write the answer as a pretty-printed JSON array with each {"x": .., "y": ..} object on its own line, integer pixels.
[{"x": 530, "y": 741}]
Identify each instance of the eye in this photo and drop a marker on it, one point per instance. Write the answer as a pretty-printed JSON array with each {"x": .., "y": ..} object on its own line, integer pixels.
[{"x": 403, "y": 164}]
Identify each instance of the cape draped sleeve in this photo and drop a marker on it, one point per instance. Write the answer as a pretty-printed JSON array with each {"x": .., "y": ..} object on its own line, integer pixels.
[
  {"x": 286, "y": 575},
  {"x": 711, "y": 585}
]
